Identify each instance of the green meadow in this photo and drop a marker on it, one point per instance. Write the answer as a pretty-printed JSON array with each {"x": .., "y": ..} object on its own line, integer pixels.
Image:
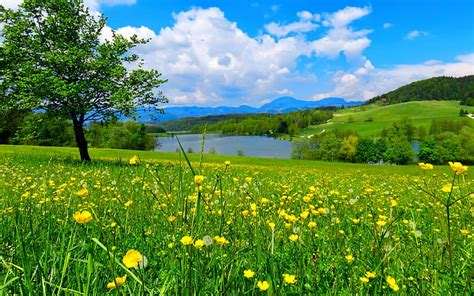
[
  {"x": 369, "y": 120},
  {"x": 175, "y": 224}
]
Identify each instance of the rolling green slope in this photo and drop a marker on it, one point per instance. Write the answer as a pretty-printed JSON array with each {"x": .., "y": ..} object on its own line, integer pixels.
[{"x": 369, "y": 120}]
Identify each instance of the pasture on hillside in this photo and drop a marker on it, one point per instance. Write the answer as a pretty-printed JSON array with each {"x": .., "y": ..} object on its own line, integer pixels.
[
  {"x": 370, "y": 120},
  {"x": 156, "y": 224}
]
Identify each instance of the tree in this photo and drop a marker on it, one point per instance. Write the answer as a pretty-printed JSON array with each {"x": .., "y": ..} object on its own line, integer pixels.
[
  {"x": 348, "y": 148},
  {"x": 330, "y": 146},
  {"x": 52, "y": 59}
]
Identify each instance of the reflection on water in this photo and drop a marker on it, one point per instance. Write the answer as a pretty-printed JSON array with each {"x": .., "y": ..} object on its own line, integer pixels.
[{"x": 229, "y": 145}]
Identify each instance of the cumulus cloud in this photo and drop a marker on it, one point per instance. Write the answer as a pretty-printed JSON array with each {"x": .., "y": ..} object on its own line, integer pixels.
[
  {"x": 209, "y": 59},
  {"x": 368, "y": 81},
  {"x": 412, "y": 35},
  {"x": 306, "y": 23},
  {"x": 387, "y": 25},
  {"x": 340, "y": 37}
]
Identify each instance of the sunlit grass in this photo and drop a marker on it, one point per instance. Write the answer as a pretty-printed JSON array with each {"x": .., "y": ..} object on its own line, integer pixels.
[{"x": 301, "y": 228}]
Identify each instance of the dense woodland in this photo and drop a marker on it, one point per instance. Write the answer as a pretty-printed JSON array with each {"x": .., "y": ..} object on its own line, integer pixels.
[
  {"x": 45, "y": 129},
  {"x": 186, "y": 124},
  {"x": 436, "y": 88},
  {"x": 269, "y": 124}
]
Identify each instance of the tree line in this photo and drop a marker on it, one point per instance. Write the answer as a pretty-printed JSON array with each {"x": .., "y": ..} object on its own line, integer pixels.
[
  {"x": 45, "y": 129},
  {"x": 445, "y": 140},
  {"x": 436, "y": 88},
  {"x": 269, "y": 124}
]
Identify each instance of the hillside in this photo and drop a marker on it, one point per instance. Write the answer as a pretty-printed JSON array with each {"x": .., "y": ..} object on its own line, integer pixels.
[
  {"x": 369, "y": 120},
  {"x": 436, "y": 88}
]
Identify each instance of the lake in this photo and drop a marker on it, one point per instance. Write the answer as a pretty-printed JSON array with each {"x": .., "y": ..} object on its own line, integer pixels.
[{"x": 259, "y": 146}]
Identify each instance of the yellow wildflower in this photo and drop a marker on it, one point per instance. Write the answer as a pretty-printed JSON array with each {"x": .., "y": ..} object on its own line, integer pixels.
[
  {"x": 186, "y": 240},
  {"x": 349, "y": 258},
  {"x": 293, "y": 237},
  {"x": 370, "y": 275},
  {"x": 312, "y": 224},
  {"x": 134, "y": 160},
  {"x": 128, "y": 203},
  {"x": 392, "y": 283},
  {"x": 198, "y": 179},
  {"x": 249, "y": 273},
  {"x": 458, "y": 167},
  {"x": 198, "y": 244},
  {"x": 83, "y": 192},
  {"x": 221, "y": 240},
  {"x": 119, "y": 281},
  {"x": 364, "y": 280},
  {"x": 271, "y": 225},
  {"x": 263, "y": 286},
  {"x": 227, "y": 162},
  {"x": 447, "y": 188},
  {"x": 289, "y": 279},
  {"x": 425, "y": 166},
  {"x": 132, "y": 258},
  {"x": 83, "y": 217}
]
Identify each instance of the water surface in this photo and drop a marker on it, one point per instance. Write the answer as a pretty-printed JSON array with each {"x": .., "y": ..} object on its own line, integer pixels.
[{"x": 259, "y": 146}]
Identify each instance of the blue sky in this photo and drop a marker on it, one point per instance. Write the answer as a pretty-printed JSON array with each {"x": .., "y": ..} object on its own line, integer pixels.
[{"x": 224, "y": 52}]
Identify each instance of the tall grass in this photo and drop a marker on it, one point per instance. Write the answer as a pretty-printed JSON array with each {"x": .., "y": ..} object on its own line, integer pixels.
[{"x": 201, "y": 226}]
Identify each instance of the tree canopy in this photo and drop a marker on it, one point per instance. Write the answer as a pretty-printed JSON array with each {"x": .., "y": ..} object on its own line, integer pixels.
[
  {"x": 436, "y": 88},
  {"x": 54, "y": 59}
]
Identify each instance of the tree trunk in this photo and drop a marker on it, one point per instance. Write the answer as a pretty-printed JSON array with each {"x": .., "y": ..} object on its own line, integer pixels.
[{"x": 81, "y": 140}]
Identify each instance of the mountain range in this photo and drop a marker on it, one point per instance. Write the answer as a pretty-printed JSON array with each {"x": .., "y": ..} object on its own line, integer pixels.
[{"x": 279, "y": 105}]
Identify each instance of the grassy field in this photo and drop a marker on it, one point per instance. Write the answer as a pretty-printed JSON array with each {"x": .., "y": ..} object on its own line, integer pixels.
[
  {"x": 421, "y": 113},
  {"x": 252, "y": 226}
]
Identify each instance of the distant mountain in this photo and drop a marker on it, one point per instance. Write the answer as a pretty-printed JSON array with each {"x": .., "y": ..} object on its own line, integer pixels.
[
  {"x": 433, "y": 89},
  {"x": 279, "y": 105}
]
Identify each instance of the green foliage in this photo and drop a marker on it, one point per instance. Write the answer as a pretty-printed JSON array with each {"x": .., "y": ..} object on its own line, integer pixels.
[
  {"x": 330, "y": 146},
  {"x": 436, "y": 88},
  {"x": 43, "y": 129},
  {"x": 447, "y": 125},
  {"x": 369, "y": 151},
  {"x": 399, "y": 151},
  {"x": 403, "y": 128},
  {"x": 155, "y": 129},
  {"x": 128, "y": 135},
  {"x": 52, "y": 59},
  {"x": 449, "y": 142},
  {"x": 268, "y": 124},
  {"x": 348, "y": 148},
  {"x": 10, "y": 120}
]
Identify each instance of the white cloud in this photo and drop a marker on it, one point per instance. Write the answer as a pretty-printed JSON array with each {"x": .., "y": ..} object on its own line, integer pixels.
[
  {"x": 340, "y": 37},
  {"x": 306, "y": 23},
  {"x": 346, "y": 16},
  {"x": 387, "y": 25},
  {"x": 367, "y": 81},
  {"x": 209, "y": 59},
  {"x": 412, "y": 35}
]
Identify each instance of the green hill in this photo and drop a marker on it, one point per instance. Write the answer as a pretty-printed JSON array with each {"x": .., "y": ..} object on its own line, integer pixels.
[
  {"x": 436, "y": 88},
  {"x": 369, "y": 120}
]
